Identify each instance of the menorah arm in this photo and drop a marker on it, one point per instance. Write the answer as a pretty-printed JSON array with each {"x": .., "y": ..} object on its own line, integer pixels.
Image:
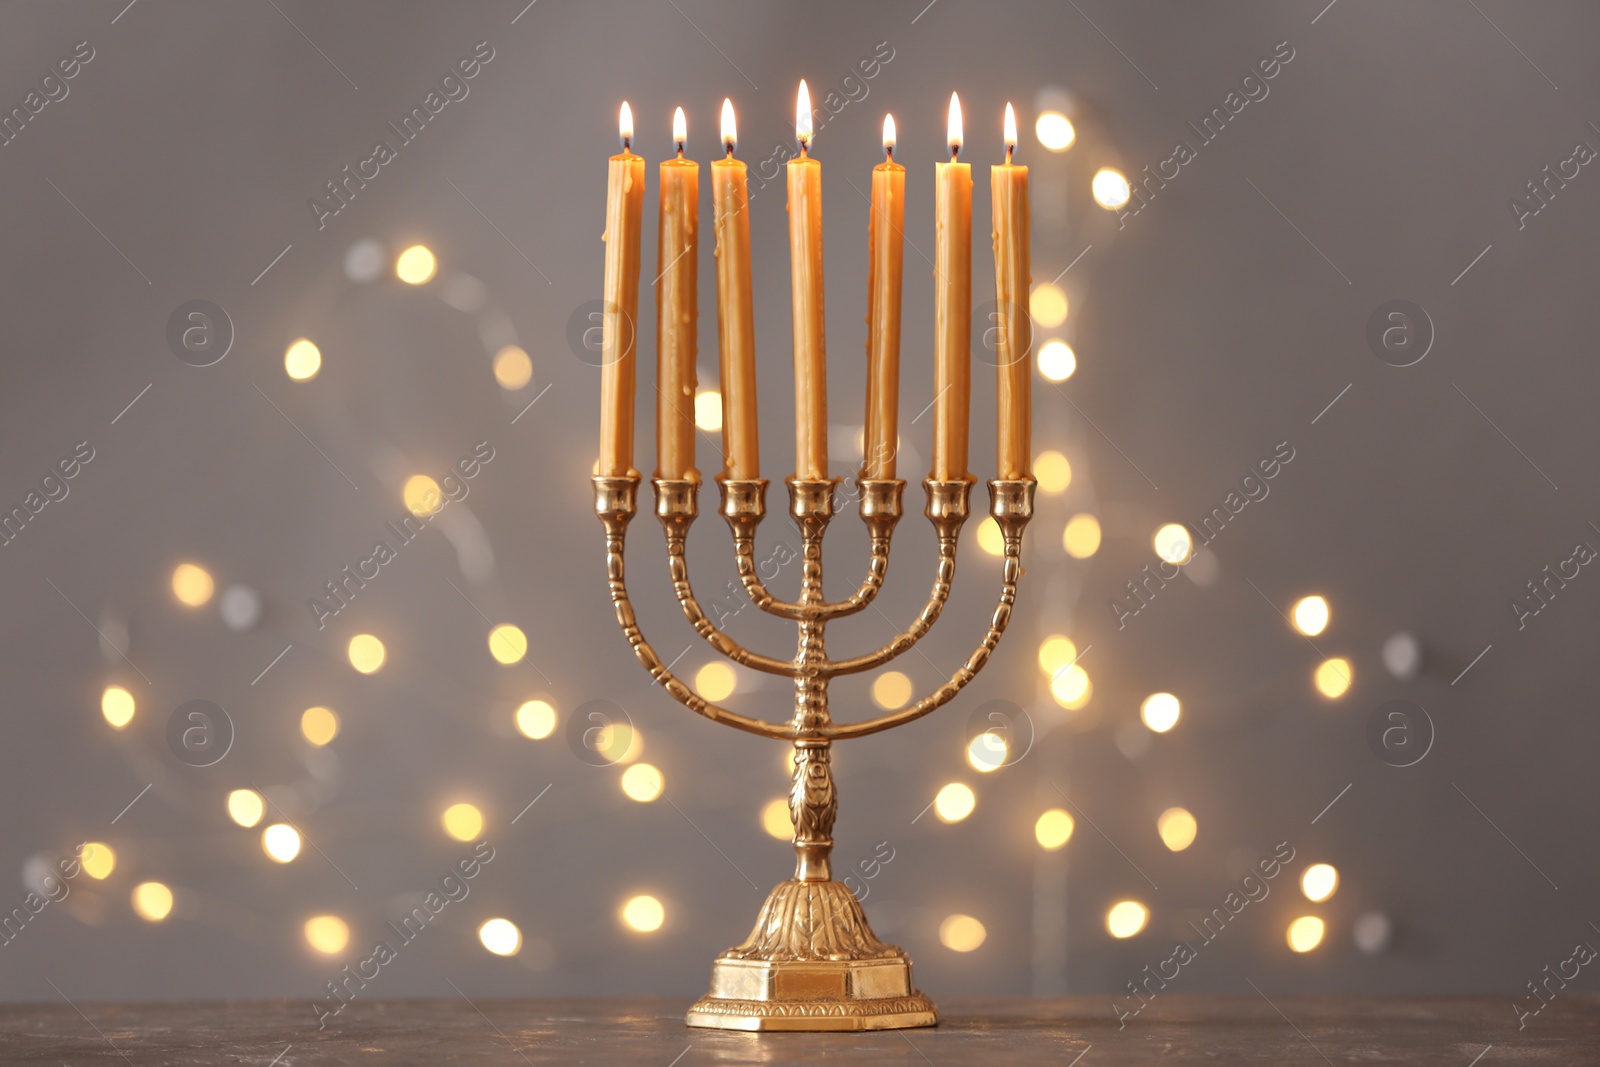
[
  {"x": 615, "y": 504},
  {"x": 1012, "y": 507}
]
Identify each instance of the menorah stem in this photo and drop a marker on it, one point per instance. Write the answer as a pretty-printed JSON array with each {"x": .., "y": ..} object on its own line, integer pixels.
[{"x": 813, "y": 803}]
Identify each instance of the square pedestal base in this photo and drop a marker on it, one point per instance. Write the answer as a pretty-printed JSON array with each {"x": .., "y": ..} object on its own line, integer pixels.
[{"x": 754, "y": 994}]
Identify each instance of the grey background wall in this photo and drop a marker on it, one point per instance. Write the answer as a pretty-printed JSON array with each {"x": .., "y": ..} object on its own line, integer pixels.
[{"x": 1220, "y": 320}]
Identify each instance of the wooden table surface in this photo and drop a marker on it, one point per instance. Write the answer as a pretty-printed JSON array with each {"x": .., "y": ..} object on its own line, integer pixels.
[{"x": 1062, "y": 1032}]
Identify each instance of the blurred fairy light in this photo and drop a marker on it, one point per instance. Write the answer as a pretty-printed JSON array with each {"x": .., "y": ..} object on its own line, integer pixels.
[
  {"x": 954, "y": 802},
  {"x": 319, "y": 725},
  {"x": 643, "y": 913},
  {"x": 302, "y": 359},
  {"x": 1126, "y": 918},
  {"x": 415, "y": 265},
  {"x": 508, "y": 644},
  {"x": 1081, "y": 538},
  {"x": 618, "y": 742},
  {"x": 708, "y": 410},
  {"x": 775, "y": 819},
  {"x": 116, "y": 704},
  {"x": 192, "y": 584},
  {"x": 1177, "y": 828},
  {"x": 246, "y": 807},
  {"x": 1305, "y": 933},
  {"x": 1319, "y": 882},
  {"x": 152, "y": 901},
  {"x": 1070, "y": 687},
  {"x": 501, "y": 937},
  {"x": 1333, "y": 677},
  {"x": 328, "y": 934},
  {"x": 1160, "y": 711},
  {"x": 961, "y": 933},
  {"x": 986, "y": 752},
  {"x": 513, "y": 369},
  {"x": 1110, "y": 188},
  {"x": 1173, "y": 543},
  {"x": 990, "y": 539},
  {"x": 642, "y": 782},
  {"x": 421, "y": 495},
  {"x": 891, "y": 690},
  {"x": 1053, "y": 829},
  {"x": 1057, "y": 361},
  {"x": 1052, "y": 470},
  {"x": 281, "y": 842},
  {"x": 366, "y": 653},
  {"x": 1055, "y": 653},
  {"x": 1310, "y": 615},
  {"x": 1047, "y": 304},
  {"x": 1054, "y": 131},
  {"x": 715, "y": 681},
  {"x": 462, "y": 821},
  {"x": 98, "y": 860},
  {"x": 536, "y": 719}
]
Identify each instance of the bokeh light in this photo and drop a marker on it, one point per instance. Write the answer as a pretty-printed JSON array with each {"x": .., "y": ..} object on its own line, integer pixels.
[
  {"x": 421, "y": 495},
  {"x": 416, "y": 265},
  {"x": 891, "y": 690},
  {"x": 775, "y": 818},
  {"x": 281, "y": 842},
  {"x": 1070, "y": 687},
  {"x": 642, "y": 782},
  {"x": 366, "y": 653},
  {"x": 246, "y": 807},
  {"x": 328, "y": 934},
  {"x": 98, "y": 860},
  {"x": 1333, "y": 677},
  {"x": 1126, "y": 918},
  {"x": 1305, "y": 933},
  {"x": 117, "y": 705},
  {"x": 319, "y": 725},
  {"x": 302, "y": 360},
  {"x": 1057, "y": 361},
  {"x": 1081, "y": 538},
  {"x": 990, "y": 539},
  {"x": 1048, "y": 305},
  {"x": 501, "y": 937},
  {"x": 1053, "y": 829},
  {"x": 1055, "y": 653},
  {"x": 643, "y": 913},
  {"x": 507, "y": 644},
  {"x": 1319, "y": 882},
  {"x": 536, "y": 719},
  {"x": 987, "y": 752},
  {"x": 1054, "y": 131},
  {"x": 1053, "y": 471},
  {"x": 192, "y": 584},
  {"x": 1173, "y": 543},
  {"x": 152, "y": 901},
  {"x": 1160, "y": 711},
  {"x": 961, "y": 933},
  {"x": 462, "y": 821},
  {"x": 1177, "y": 828},
  {"x": 1110, "y": 188},
  {"x": 708, "y": 410},
  {"x": 513, "y": 368},
  {"x": 1310, "y": 615},
  {"x": 715, "y": 681},
  {"x": 954, "y": 802}
]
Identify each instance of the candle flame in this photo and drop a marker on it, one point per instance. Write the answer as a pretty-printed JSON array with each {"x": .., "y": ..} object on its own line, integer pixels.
[
  {"x": 625, "y": 124},
  {"x": 1011, "y": 131},
  {"x": 680, "y": 129},
  {"x": 955, "y": 125},
  {"x": 888, "y": 134},
  {"x": 802, "y": 116},
  {"x": 730, "y": 131}
]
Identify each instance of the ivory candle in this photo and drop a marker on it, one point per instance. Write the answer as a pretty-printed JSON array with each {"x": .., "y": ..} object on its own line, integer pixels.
[
  {"x": 885, "y": 267},
  {"x": 952, "y": 309},
  {"x": 805, "y": 267},
  {"x": 1008, "y": 186},
  {"x": 676, "y": 311},
  {"x": 736, "y": 341},
  {"x": 620, "y": 309}
]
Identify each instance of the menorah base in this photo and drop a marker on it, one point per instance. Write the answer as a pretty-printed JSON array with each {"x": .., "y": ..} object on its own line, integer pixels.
[{"x": 812, "y": 963}]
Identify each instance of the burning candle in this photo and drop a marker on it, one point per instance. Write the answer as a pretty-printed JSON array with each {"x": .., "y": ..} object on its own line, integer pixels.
[
  {"x": 677, "y": 308},
  {"x": 624, "y": 210},
  {"x": 805, "y": 266},
  {"x": 952, "y": 309},
  {"x": 885, "y": 266},
  {"x": 1008, "y": 184},
  {"x": 736, "y": 340}
]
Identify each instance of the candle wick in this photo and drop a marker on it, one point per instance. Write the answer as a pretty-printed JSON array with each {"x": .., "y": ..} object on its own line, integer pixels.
[
  {"x": 955, "y": 152},
  {"x": 680, "y": 149},
  {"x": 1009, "y": 149},
  {"x": 888, "y": 152},
  {"x": 729, "y": 146},
  {"x": 627, "y": 143}
]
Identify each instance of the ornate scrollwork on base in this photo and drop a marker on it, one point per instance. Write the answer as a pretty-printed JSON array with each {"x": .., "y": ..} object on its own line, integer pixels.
[{"x": 812, "y": 921}]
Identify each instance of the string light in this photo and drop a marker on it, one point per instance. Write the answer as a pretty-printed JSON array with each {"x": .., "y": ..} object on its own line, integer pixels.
[
  {"x": 961, "y": 933},
  {"x": 1055, "y": 653},
  {"x": 990, "y": 539},
  {"x": 708, "y": 410},
  {"x": 1070, "y": 687},
  {"x": 642, "y": 782},
  {"x": 1173, "y": 543},
  {"x": 1319, "y": 882},
  {"x": 302, "y": 360},
  {"x": 366, "y": 653},
  {"x": 1310, "y": 615},
  {"x": 1177, "y": 828},
  {"x": 501, "y": 937},
  {"x": 152, "y": 901},
  {"x": 1160, "y": 711},
  {"x": 328, "y": 934},
  {"x": 98, "y": 860},
  {"x": 954, "y": 802},
  {"x": 1047, "y": 304},
  {"x": 643, "y": 913},
  {"x": 1054, "y": 131},
  {"x": 246, "y": 807},
  {"x": 319, "y": 726},
  {"x": 1305, "y": 933},
  {"x": 117, "y": 705},
  {"x": 987, "y": 752},
  {"x": 1057, "y": 361},
  {"x": 416, "y": 265},
  {"x": 775, "y": 819},
  {"x": 507, "y": 644},
  {"x": 1081, "y": 538},
  {"x": 281, "y": 842},
  {"x": 1126, "y": 918},
  {"x": 513, "y": 368},
  {"x": 192, "y": 584},
  {"x": 462, "y": 821},
  {"x": 1110, "y": 188},
  {"x": 891, "y": 690},
  {"x": 1333, "y": 677},
  {"x": 715, "y": 681},
  {"x": 536, "y": 719},
  {"x": 1053, "y": 829},
  {"x": 421, "y": 495},
  {"x": 1052, "y": 470}
]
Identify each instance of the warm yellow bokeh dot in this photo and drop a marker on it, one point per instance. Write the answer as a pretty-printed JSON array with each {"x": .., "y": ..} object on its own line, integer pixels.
[
  {"x": 775, "y": 819},
  {"x": 990, "y": 539},
  {"x": 192, "y": 584},
  {"x": 98, "y": 860},
  {"x": 319, "y": 725},
  {"x": 1070, "y": 687},
  {"x": 415, "y": 265},
  {"x": 961, "y": 933},
  {"x": 1173, "y": 543},
  {"x": 1333, "y": 677},
  {"x": 501, "y": 937},
  {"x": 1053, "y": 829},
  {"x": 643, "y": 913},
  {"x": 1053, "y": 471},
  {"x": 1057, "y": 361},
  {"x": 246, "y": 807},
  {"x": 642, "y": 782},
  {"x": 1160, "y": 711},
  {"x": 302, "y": 360},
  {"x": 1305, "y": 933},
  {"x": 1110, "y": 188},
  {"x": 328, "y": 934},
  {"x": 1054, "y": 131},
  {"x": 1177, "y": 828},
  {"x": 954, "y": 802},
  {"x": 987, "y": 752},
  {"x": 513, "y": 368},
  {"x": 1126, "y": 918},
  {"x": 536, "y": 719},
  {"x": 508, "y": 644},
  {"x": 366, "y": 653},
  {"x": 1081, "y": 538},
  {"x": 281, "y": 841},
  {"x": 891, "y": 690},
  {"x": 1319, "y": 882},
  {"x": 715, "y": 681},
  {"x": 152, "y": 901},
  {"x": 421, "y": 495},
  {"x": 1055, "y": 653},
  {"x": 1048, "y": 305},
  {"x": 1310, "y": 615},
  {"x": 462, "y": 821},
  {"x": 116, "y": 704},
  {"x": 616, "y": 742},
  {"x": 708, "y": 410}
]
